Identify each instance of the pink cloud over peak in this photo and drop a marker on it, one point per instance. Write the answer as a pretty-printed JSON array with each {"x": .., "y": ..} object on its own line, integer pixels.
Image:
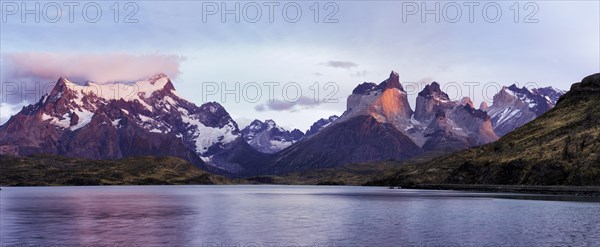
[{"x": 101, "y": 68}]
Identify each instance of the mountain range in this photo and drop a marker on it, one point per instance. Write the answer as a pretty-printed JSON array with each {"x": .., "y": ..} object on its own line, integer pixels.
[
  {"x": 148, "y": 117},
  {"x": 561, "y": 147},
  {"x": 514, "y": 107},
  {"x": 268, "y": 137},
  {"x": 379, "y": 124}
]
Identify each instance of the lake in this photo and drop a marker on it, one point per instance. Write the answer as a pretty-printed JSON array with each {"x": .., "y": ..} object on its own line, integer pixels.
[{"x": 264, "y": 215}]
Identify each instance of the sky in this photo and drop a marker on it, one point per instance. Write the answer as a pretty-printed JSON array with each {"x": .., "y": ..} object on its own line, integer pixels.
[{"x": 294, "y": 68}]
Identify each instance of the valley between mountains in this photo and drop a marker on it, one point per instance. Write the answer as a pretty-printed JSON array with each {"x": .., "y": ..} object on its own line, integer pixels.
[{"x": 538, "y": 136}]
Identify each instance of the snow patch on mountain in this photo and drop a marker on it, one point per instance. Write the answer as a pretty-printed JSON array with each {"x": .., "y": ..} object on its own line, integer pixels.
[
  {"x": 205, "y": 137},
  {"x": 63, "y": 121},
  {"x": 84, "y": 118},
  {"x": 149, "y": 106},
  {"x": 268, "y": 137},
  {"x": 513, "y": 107}
]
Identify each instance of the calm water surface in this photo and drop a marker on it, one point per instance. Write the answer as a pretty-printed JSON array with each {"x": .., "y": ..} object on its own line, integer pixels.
[{"x": 241, "y": 215}]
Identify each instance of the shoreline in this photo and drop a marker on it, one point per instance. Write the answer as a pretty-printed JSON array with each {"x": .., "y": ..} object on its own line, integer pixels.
[{"x": 591, "y": 191}]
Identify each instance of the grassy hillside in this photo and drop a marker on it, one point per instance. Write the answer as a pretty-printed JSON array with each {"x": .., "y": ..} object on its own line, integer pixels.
[
  {"x": 40, "y": 170},
  {"x": 349, "y": 174},
  {"x": 561, "y": 147}
]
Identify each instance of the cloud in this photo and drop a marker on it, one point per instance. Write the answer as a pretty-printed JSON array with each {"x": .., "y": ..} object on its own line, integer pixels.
[
  {"x": 282, "y": 105},
  {"x": 49, "y": 66},
  {"x": 260, "y": 107},
  {"x": 8, "y": 110},
  {"x": 341, "y": 64},
  {"x": 26, "y": 76}
]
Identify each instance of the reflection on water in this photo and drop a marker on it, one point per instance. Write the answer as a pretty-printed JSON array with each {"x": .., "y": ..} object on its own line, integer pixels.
[{"x": 289, "y": 215}]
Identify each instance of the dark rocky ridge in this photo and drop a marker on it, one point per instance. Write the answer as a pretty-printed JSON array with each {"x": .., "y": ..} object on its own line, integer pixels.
[
  {"x": 359, "y": 139},
  {"x": 320, "y": 124}
]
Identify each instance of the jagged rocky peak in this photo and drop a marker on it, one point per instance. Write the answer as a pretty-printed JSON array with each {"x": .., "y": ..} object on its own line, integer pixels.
[
  {"x": 392, "y": 82},
  {"x": 62, "y": 87},
  {"x": 113, "y": 120},
  {"x": 270, "y": 123},
  {"x": 467, "y": 101},
  {"x": 386, "y": 102},
  {"x": 503, "y": 97},
  {"x": 213, "y": 114},
  {"x": 213, "y": 107},
  {"x": 433, "y": 90},
  {"x": 476, "y": 112},
  {"x": 319, "y": 125},
  {"x": 552, "y": 94},
  {"x": 256, "y": 125},
  {"x": 159, "y": 78},
  {"x": 268, "y": 137},
  {"x": 297, "y": 134},
  {"x": 514, "y": 106},
  {"x": 483, "y": 106},
  {"x": 254, "y": 128},
  {"x": 364, "y": 88},
  {"x": 430, "y": 100},
  {"x": 154, "y": 78},
  {"x": 513, "y": 95},
  {"x": 61, "y": 84},
  {"x": 158, "y": 84}
]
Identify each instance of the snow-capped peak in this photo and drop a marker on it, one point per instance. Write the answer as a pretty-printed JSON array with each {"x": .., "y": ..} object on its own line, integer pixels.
[
  {"x": 145, "y": 108},
  {"x": 128, "y": 91},
  {"x": 514, "y": 106},
  {"x": 270, "y": 123},
  {"x": 268, "y": 137}
]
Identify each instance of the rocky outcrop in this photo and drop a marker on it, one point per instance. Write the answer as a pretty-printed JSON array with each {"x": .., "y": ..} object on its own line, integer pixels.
[
  {"x": 483, "y": 106},
  {"x": 387, "y": 102},
  {"x": 456, "y": 125},
  {"x": 431, "y": 100}
]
